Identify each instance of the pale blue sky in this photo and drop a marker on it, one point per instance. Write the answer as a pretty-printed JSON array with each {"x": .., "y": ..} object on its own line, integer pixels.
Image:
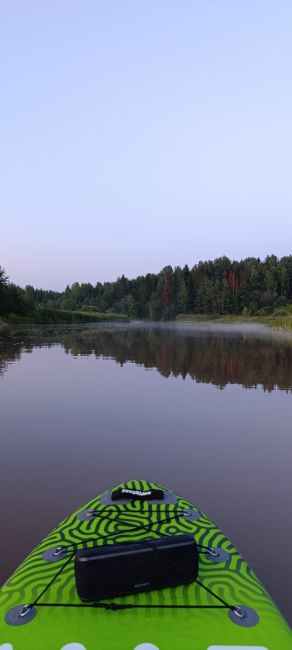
[{"x": 136, "y": 134}]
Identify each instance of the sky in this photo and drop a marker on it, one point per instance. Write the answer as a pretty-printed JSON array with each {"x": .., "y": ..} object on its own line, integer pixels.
[{"x": 137, "y": 134}]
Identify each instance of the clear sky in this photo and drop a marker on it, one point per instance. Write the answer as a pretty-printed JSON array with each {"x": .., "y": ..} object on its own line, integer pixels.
[{"x": 135, "y": 134}]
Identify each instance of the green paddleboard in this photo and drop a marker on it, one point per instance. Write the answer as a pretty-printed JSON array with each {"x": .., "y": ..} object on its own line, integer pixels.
[{"x": 225, "y": 608}]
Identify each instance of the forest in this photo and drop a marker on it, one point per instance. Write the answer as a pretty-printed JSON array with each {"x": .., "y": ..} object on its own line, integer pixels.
[{"x": 220, "y": 287}]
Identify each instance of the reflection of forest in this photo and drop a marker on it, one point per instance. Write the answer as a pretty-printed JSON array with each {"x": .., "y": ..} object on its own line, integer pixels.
[{"x": 206, "y": 357}]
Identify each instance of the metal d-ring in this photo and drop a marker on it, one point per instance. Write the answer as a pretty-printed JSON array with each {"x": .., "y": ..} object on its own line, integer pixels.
[
  {"x": 54, "y": 554},
  {"x": 58, "y": 550},
  {"x": 25, "y": 610},
  {"x": 91, "y": 513},
  {"x": 238, "y": 612},
  {"x": 217, "y": 554},
  {"x": 20, "y": 615},
  {"x": 87, "y": 515},
  {"x": 211, "y": 551},
  {"x": 190, "y": 514},
  {"x": 243, "y": 616}
]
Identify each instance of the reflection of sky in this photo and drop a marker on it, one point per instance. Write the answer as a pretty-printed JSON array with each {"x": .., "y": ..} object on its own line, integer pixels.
[
  {"x": 55, "y": 402},
  {"x": 73, "y": 426},
  {"x": 134, "y": 135}
]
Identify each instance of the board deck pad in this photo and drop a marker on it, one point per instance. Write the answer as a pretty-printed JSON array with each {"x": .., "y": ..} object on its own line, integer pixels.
[{"x": 226, "y": 608}]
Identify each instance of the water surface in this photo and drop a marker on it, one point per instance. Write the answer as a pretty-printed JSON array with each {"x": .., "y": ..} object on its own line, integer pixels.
[{"x": 204, "y": 410}]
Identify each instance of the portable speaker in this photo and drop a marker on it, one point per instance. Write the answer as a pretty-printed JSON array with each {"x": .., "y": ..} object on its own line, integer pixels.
[{"x": 128, "y": 568}]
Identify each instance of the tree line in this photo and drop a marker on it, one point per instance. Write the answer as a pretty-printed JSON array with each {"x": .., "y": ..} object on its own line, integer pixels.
[{"x": 213, "y": 287}]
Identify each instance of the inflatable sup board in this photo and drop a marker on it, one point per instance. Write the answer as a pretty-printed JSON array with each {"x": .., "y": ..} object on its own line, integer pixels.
[{"x": 81, "y": 588}]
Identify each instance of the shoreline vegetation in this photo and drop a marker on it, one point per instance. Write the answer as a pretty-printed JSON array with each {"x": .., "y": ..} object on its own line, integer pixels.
[
  {"x": 281, "y": 324},
  {"x": 218, "y": 291},
  {"x": 276, "y": 322},
  {"x": 58, "y": 316},
  {"x": 50, "y": 317}
]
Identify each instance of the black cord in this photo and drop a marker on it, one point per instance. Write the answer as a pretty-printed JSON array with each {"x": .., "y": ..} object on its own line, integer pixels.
[
  {"x": 53, "y": 579},
  {"x": 116, "y": 606},
  {"x": 128, "y": 529},
  {"x": 213, "y": 594},
  {"x": 119, "y": 606},
  {"x": 75, "y": 546}
]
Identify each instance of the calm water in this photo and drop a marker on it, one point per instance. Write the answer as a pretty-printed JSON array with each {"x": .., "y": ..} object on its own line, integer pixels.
[{"x": 204, "y": 410}]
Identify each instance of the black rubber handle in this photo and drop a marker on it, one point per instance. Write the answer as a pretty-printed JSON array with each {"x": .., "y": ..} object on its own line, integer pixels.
[{"x": 141, "y": 495}]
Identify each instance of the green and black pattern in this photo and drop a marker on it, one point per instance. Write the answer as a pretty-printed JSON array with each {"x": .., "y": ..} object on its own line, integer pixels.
[{"x": 41, "y": 582}]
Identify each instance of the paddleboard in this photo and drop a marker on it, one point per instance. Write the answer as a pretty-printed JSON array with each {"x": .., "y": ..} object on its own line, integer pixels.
[{"x": 225, "y": 608}]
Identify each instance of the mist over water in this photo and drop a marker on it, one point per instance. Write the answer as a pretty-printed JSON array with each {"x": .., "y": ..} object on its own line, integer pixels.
[{"x": 205, "y": 410}]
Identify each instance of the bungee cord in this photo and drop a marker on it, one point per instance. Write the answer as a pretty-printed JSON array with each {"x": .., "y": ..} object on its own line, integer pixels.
[{"x": 113, "y": 606}]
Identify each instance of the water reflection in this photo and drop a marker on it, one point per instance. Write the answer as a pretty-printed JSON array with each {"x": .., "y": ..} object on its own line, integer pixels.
[
  {"x": 72, "y": 426},
  {"x": 228, "y": 355}
]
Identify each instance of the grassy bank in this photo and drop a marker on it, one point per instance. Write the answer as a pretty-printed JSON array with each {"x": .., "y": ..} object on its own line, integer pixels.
[
  {"x": 48, "y": 316},
  {"x": 276, "y": 321}
]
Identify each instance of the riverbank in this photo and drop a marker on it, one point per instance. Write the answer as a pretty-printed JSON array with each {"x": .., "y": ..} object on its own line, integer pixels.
[
  {"x": 57, "y": 316},
  {"x": 277, "y": 322},
  {"x": 48, "y": 316}
]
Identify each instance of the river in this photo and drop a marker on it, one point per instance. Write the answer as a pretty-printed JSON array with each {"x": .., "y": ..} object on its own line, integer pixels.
[{"x": 205, "y": 410}]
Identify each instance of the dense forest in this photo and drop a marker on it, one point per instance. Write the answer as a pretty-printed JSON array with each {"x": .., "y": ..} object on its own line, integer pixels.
[{"x": 218, "y": 287}]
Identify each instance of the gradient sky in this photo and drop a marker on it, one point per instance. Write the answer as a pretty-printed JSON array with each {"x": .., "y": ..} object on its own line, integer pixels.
[{"x": 136, "y": 134}]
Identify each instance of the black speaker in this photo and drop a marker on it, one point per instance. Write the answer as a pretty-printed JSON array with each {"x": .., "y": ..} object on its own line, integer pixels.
[{"x": 128, "y": 568}]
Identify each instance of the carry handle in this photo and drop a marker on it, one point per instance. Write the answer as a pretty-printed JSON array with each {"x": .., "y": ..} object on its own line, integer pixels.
[{"x": 142, "y": 495}]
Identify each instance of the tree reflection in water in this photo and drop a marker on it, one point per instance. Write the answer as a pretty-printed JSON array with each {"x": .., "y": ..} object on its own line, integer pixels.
[{"x": 212, "y": 355}]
